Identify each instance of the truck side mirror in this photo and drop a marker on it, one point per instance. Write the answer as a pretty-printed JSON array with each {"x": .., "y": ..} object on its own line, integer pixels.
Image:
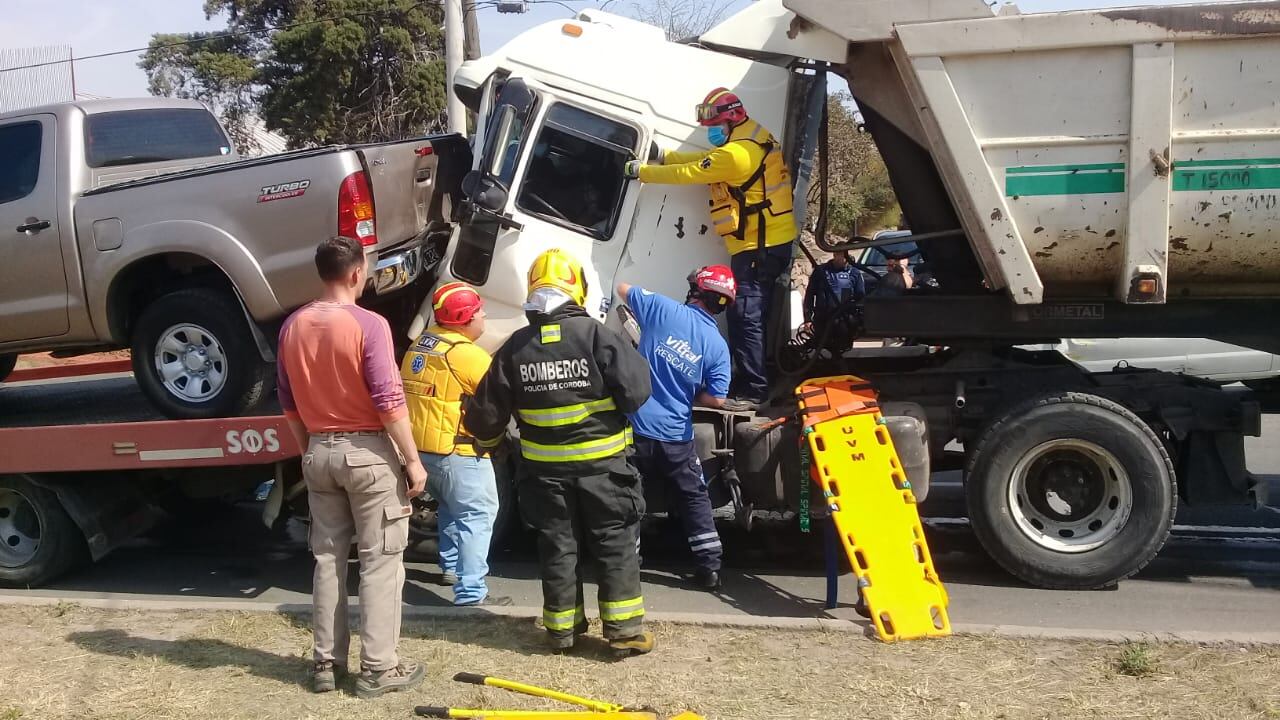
[
  {"x": 484, "y": 191},
  {"x": 470, "y": 182},
  {"x": 493, "y": 197}
]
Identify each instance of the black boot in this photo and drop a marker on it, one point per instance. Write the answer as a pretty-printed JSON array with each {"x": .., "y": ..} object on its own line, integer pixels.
[{"x": 707, "y": 579}]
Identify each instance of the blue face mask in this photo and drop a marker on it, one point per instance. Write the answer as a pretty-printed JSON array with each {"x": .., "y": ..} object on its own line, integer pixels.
[{"x": 717, "y": 135}]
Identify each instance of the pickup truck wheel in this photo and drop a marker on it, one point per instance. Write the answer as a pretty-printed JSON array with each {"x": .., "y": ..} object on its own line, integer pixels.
[
  {"x": 38, "y": 540},
  {"x": 1071, "y": 491},
  {"x": 194, "y": 356},
  {"x": 7, "y": 364}
]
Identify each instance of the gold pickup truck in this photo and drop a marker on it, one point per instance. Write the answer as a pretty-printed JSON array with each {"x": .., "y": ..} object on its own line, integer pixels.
[{"x": 134, "y": 224}]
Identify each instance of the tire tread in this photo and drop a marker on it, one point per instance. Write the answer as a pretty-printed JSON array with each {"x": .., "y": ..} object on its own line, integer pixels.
[{"x": 1075, "y": 398}]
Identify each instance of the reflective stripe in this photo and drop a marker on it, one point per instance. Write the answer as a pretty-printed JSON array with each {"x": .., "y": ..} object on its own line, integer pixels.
[
  {"x": 576, "y": 452},
  {"x": 704, "y": 536},
  {"x": 755, "y": 134},
  {"x": 563, "y": 619},
  {"x": 550, "y": 334},
  {"x": 489, "y": 443},
  {"x": 771, "y": 189},
  {"x": 567, "y": 414},
  {"x": 622, "y": 609},
  {"x": 440, "y": 301},
  {"x": 706, "y": 545},
  {"x": 723, "y": 221}
]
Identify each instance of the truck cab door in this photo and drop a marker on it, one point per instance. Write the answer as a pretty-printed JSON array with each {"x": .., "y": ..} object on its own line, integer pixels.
[
  {"x": 550, "y": 177},
  {"x": 33, "y": 281}
]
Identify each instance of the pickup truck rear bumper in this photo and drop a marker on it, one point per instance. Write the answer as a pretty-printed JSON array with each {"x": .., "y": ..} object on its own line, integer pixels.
[{"x": 397, "y": 270}]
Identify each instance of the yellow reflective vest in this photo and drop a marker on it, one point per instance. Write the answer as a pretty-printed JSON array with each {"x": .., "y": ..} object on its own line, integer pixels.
[
  {"x": 441, "y": 369},
  {"x": 750, "y": 187}
]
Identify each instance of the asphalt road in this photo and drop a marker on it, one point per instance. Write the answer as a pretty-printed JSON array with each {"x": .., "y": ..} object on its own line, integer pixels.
[{"x": 1219, "y": 576}]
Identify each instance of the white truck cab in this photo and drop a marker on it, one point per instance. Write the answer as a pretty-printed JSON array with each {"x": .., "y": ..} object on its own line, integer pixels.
[{"x": 560, "y": 112}]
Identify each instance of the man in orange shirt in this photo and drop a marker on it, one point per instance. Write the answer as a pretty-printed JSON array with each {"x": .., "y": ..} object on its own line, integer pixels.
[{"x": 340, "y": 389}]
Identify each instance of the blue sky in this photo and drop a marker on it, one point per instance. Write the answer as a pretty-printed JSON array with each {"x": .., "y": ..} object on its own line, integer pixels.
[{"x": 95, "y": 26}]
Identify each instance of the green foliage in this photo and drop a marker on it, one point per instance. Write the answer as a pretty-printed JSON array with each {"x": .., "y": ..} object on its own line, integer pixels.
[
  {"x": 1136, "y": 660},
  {"x": 859, "y": 195},
  {"x": 335, "y": 71}
]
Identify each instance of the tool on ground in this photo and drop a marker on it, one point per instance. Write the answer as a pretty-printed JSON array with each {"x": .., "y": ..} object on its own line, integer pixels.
[
  {"x": 872, "y": 507},
  {"x": 594, "y": 708}
]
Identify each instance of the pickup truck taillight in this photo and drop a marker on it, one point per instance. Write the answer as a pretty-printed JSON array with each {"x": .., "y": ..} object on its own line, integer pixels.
[{"x": 355, "y": 209}]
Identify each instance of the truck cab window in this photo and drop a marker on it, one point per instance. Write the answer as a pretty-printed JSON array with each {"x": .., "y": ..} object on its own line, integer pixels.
[
  {"x": 575, "y": 170},
  {"x": 507, "y": 145},
  {"x": 19, "y": 160}
]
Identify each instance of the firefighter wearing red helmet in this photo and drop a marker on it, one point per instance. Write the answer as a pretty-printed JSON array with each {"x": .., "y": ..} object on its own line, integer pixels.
[
  {"x": 442, "y": 370},
  {"x": 751, "y": 208},
  {"x": 688, "y": 365}
]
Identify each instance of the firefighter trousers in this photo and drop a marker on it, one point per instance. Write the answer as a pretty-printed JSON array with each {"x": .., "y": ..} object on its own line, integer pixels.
[{"x": 595, "y": 515}]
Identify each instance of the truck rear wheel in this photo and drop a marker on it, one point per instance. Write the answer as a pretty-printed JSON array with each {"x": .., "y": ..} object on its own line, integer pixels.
[
  {"x": 194, "y": 356},
  {"x": 1071, "y": 491},
  {"x": 38, "y": 540},
  {"x": 7, "y": 364}
]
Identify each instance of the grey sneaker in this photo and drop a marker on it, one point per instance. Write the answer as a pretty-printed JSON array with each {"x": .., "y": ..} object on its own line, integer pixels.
[
  {"x": 405, "y": 676},
  {"x": 324, "y": 676}
]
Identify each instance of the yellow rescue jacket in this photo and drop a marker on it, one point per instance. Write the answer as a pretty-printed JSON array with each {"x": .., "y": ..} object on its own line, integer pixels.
[
  {"x": 750, "y": 187},
  {"x": 441, "y": 369}
]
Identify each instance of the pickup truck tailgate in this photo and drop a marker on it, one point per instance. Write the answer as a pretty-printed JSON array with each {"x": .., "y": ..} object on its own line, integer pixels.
[{"x": 404, "y": 177}]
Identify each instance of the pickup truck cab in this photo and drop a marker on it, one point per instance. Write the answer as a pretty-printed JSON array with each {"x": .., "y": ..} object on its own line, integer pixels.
[{"x": 134, "y": 224}]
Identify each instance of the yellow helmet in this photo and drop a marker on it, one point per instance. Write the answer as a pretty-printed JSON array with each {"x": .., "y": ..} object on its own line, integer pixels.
[{"x": 556, "y": 268}]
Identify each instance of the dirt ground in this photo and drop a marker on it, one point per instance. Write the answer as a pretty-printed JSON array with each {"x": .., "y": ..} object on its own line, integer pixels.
[
  {"x": 66, "y": 661},
  {"x": 36, "y": 360}
]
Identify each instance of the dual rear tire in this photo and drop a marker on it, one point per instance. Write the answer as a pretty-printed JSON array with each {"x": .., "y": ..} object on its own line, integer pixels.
[{"x": 1071, "y": 491}]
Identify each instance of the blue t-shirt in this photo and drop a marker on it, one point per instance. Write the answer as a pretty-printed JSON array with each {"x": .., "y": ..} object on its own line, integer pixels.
[{"x": 686, "y": 355}]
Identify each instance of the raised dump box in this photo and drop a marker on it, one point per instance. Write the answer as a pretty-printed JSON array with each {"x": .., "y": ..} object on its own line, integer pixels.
[{"x": 1131, "y": 154}]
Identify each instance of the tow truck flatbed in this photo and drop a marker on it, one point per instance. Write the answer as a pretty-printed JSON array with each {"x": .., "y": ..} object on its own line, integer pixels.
[{"x": 91, "y": 417}]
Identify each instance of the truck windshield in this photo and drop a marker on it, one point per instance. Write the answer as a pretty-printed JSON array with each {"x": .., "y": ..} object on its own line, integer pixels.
[
  {"x": 575, "y": 171},
  {"x": 132, "y": 137}
]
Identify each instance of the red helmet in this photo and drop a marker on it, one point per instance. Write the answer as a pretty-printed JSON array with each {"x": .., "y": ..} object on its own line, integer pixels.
[
  {"x": 720, "y": 107},
  {"x": 716, "y": 279},
  {"x": 455, "y": 303}
]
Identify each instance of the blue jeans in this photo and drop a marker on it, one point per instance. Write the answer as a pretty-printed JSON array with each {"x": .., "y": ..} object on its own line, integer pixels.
[
  {"x": 756, "y": 277},
  {"x": 466, "y": 492}
]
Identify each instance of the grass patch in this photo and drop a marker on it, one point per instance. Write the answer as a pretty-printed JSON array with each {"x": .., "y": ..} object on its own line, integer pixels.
[
  {"x": 1136, "y": 660},
  {"x": 118, "y": 665}
]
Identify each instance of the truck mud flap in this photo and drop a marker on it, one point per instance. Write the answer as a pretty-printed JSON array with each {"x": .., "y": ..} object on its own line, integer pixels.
[{"x": 109, "y": 511}]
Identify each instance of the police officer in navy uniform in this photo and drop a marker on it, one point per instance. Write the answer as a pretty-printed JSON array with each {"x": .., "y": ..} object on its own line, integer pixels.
[
  {"x": 689, "y": 364},
  {"x": 571, "y": 382},
  {"x": 829, "y": 311}
]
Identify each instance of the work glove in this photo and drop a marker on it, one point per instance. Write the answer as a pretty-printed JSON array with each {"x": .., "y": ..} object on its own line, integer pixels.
[{"x": 631, "y": 170}]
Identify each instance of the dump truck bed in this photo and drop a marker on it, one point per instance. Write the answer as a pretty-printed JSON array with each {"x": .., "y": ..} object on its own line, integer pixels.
[{"x": 1129, "y": 154}]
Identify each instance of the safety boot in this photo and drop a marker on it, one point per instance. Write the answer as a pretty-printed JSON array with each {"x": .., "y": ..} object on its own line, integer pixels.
[
  {"x": 634, "y": 645},
  {"x": 707, "y": 579},
  {"x": 561, "y": 645}
]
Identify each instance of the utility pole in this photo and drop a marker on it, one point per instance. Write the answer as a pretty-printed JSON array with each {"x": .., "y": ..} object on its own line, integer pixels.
[
  {"x": 454, "y": 30},
  {"x": 471, "y": 46}
]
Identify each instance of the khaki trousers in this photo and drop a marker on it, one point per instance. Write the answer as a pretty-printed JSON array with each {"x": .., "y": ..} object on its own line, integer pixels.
[{"x": 356, "y": 489}]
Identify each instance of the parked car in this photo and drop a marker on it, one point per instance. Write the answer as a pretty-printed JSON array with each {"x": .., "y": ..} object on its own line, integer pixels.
[
  {"x": 133, "y": 224},
  {"x": 1208, "y": 359}
]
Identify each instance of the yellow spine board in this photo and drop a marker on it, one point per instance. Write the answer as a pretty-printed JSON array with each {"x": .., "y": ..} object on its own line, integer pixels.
[{"x": 874, "y": 510}]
